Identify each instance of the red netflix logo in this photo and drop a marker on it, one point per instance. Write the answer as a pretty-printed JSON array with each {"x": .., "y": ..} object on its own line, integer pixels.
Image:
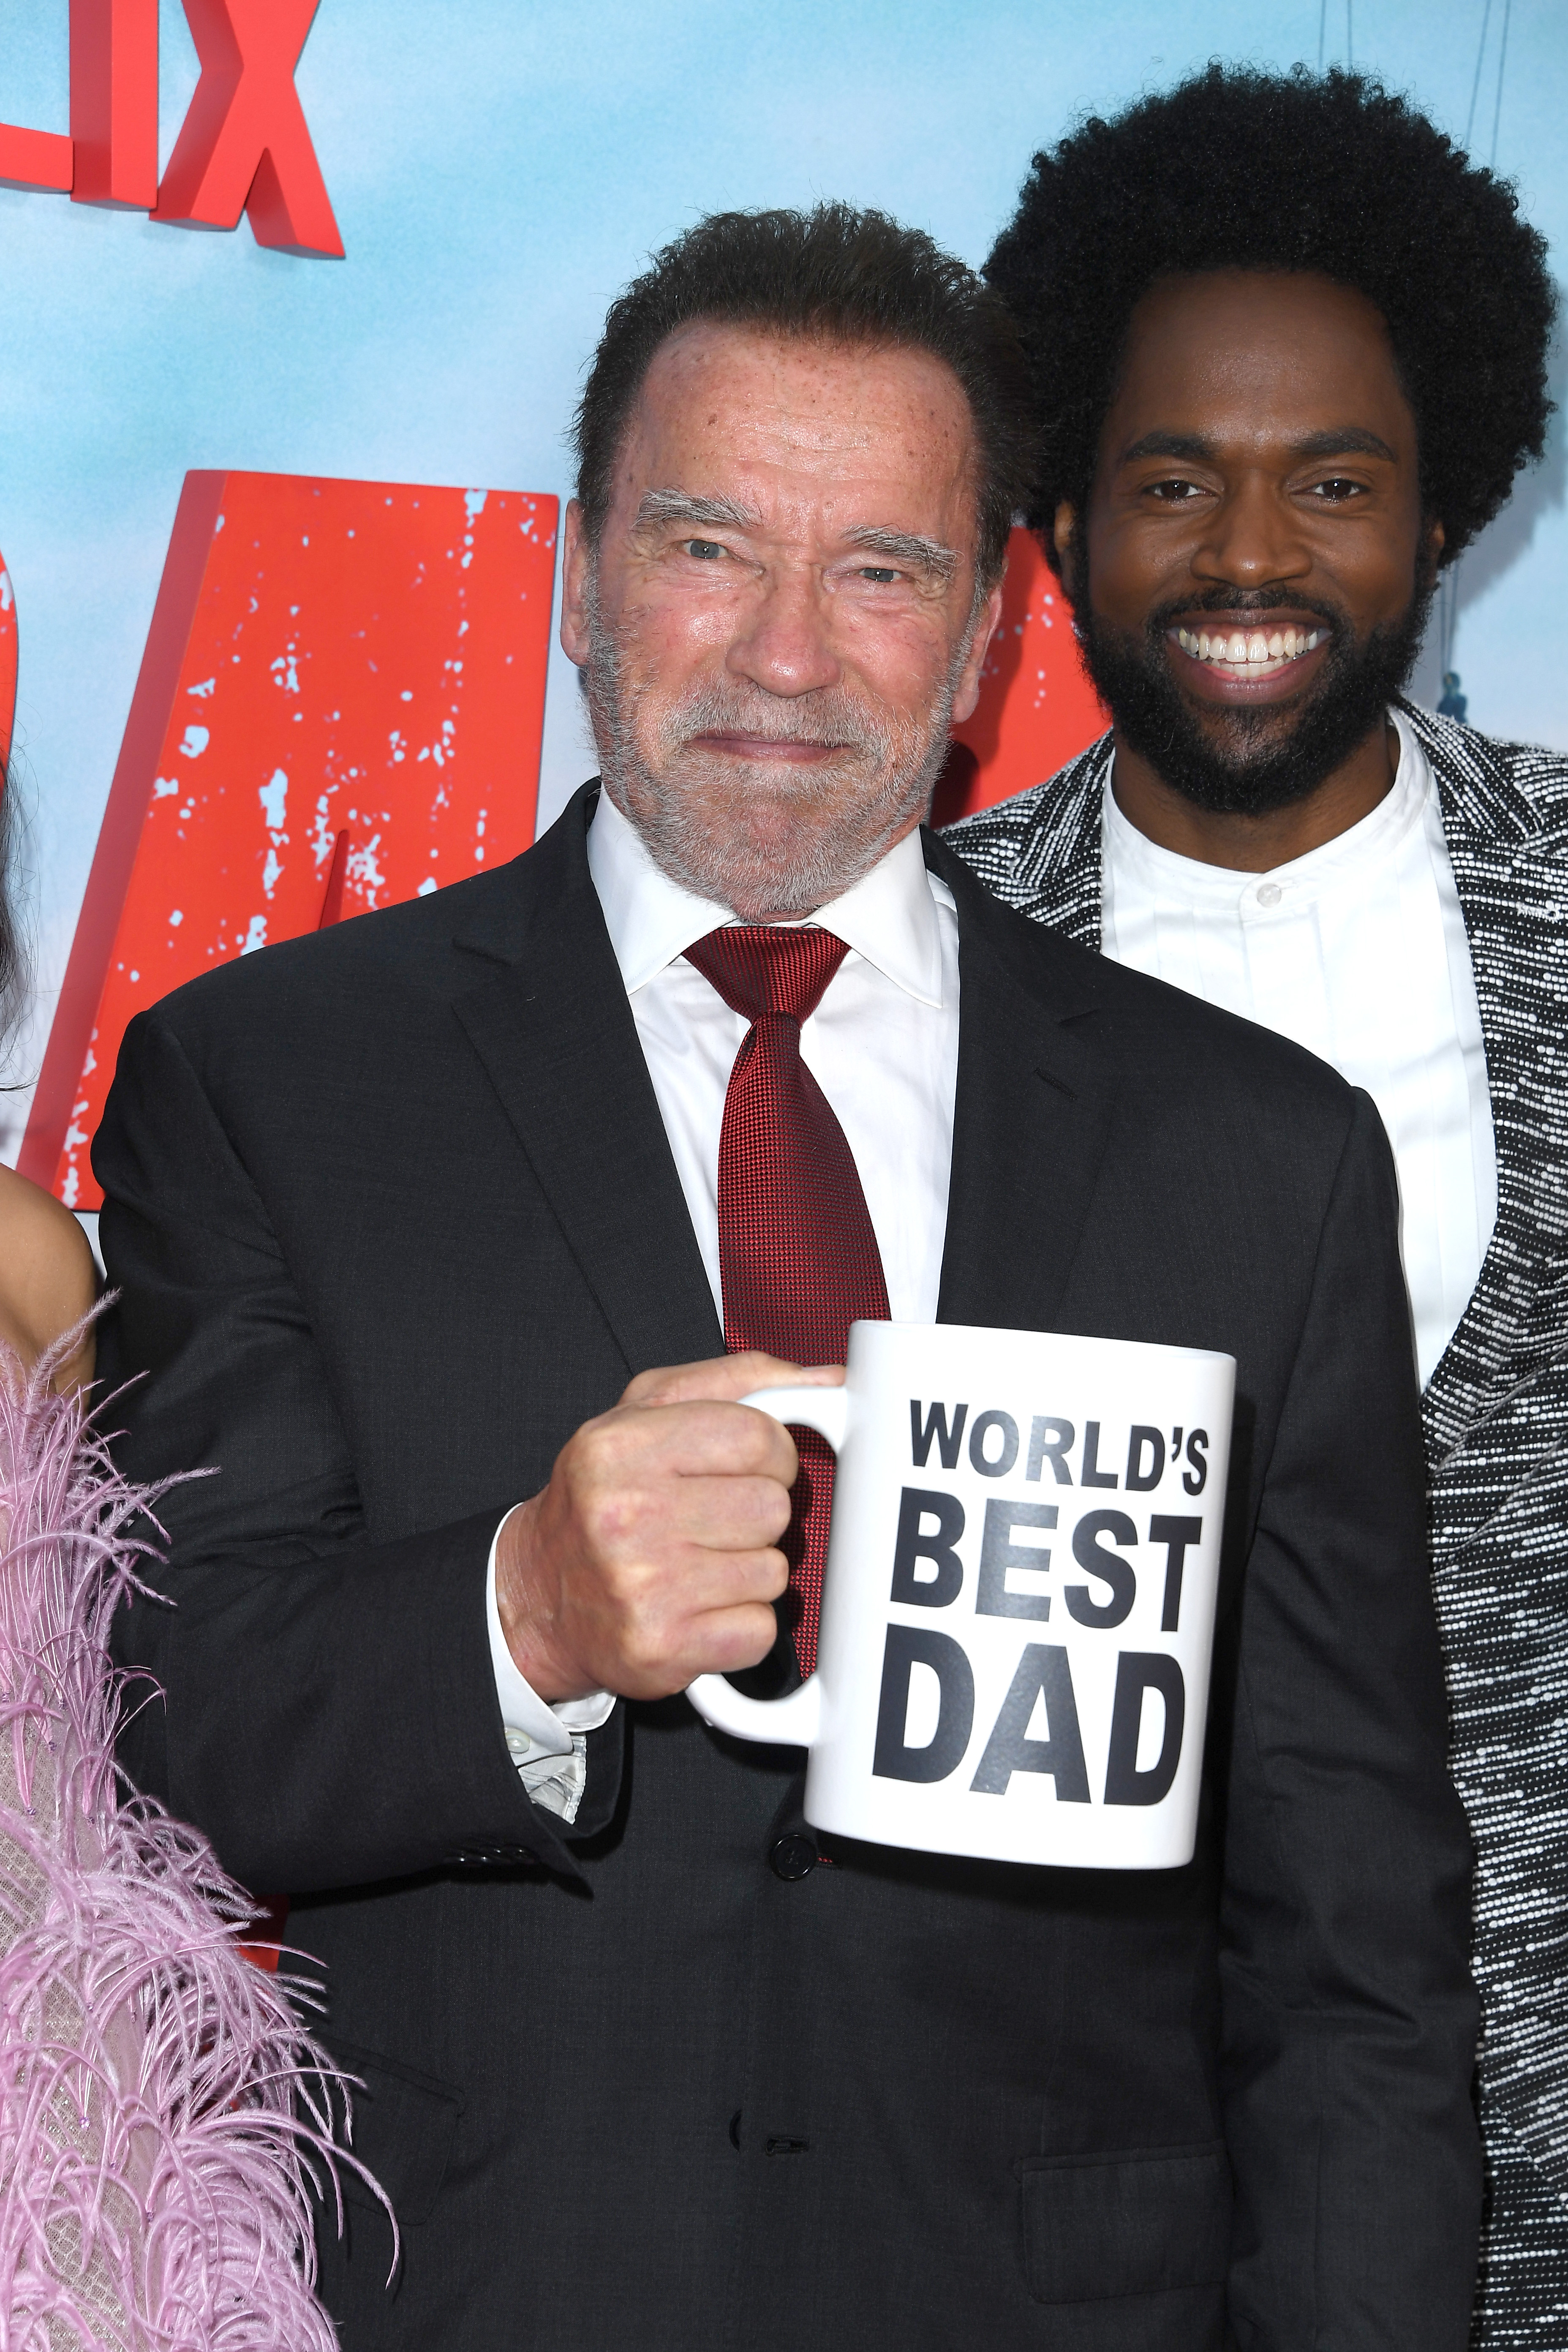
[{"x": 245, "y": 145}]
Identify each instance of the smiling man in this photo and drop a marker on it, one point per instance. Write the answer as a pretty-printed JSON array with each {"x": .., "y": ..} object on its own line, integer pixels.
[
  {"x": 451, "y": 1238},
  {"x": 1289, "y": 353}
]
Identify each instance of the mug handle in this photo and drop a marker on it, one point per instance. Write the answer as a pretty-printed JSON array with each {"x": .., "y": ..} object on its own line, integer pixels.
[{"x": 791, "y": 1721}]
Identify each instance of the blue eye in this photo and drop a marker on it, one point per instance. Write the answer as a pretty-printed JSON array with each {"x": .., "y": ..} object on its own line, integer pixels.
[
  {"x": 881, "y": 573},
  {"x": 704, "y": 550}
]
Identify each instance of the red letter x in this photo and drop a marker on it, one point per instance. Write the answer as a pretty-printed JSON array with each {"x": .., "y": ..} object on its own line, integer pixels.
[{"x": 244, "y": 145}]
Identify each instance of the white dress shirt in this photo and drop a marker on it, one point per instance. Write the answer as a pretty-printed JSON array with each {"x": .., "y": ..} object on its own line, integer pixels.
[
  {"x": 1358, "y": 951},
  {"x": 882, "y": 1045}
]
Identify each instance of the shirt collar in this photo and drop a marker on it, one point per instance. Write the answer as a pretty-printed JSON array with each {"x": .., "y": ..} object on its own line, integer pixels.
[
  {"x": 1360, "y": 848},
  {"x": 890, "y": 917}
]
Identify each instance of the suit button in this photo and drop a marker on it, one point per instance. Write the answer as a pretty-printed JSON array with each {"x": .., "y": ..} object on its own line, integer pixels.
[{"x": 793, "y": 1855}]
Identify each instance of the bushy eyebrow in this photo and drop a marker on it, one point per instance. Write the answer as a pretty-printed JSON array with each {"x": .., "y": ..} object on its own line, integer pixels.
[
  {"x": 681, "y": 506},
  {"x": 907, "y": 549},
  {"x": 1197, "y": 450},
  {"x": 910, "y": 551}
]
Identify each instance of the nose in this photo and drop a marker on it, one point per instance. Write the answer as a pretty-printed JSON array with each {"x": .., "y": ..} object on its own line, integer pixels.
[
  {"x": 785, "y": 644},
  {"x": 1254, "y": 539}
]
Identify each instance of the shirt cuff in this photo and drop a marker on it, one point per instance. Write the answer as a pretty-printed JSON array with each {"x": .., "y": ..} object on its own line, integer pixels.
[{"x": 547, "y": 1744}]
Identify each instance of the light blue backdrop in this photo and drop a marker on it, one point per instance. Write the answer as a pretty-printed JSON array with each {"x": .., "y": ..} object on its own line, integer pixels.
[{"x": 498, "y": 168}]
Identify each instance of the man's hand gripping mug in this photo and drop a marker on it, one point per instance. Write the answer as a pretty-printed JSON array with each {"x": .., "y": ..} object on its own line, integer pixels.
[{"x": 1019, "y": 1603}]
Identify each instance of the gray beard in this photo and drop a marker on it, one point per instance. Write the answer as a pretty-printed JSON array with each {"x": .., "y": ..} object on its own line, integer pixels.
[{"x": 753, "y": 840}]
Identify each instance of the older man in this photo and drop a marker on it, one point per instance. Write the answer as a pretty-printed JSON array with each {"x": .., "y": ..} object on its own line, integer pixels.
[{"x": 399, "y": 1212}]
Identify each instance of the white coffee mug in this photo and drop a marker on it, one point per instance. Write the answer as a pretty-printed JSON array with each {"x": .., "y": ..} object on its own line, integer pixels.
[{"x": 1019, "y": 1597}]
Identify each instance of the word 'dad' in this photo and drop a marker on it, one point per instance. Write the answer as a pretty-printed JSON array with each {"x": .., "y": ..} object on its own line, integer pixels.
[{"x": 1009, "y": 1520}]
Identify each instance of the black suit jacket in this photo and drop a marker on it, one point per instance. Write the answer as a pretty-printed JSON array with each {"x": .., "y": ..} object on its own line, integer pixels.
[{"x": 393, "y": 1212}]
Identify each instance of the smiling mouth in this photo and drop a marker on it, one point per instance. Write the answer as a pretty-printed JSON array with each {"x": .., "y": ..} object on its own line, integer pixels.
[{"x": 1249, "y": 654}]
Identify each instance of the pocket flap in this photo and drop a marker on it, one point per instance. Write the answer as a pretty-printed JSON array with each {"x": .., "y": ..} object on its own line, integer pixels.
[
  {"x": 404, "y": 2126},
  {"x": 1096, "y": 2226}
]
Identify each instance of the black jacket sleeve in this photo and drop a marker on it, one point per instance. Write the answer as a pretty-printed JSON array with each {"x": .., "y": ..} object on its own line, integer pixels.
[
  {"x": 322, "y": 1704},
  {"x": 1349, "y": 2021}
]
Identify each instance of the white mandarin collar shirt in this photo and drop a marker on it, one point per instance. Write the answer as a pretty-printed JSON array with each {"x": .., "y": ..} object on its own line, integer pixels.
[
  {"x": 883, "y": 1047},
  {"x": 1358, "y": 951}
]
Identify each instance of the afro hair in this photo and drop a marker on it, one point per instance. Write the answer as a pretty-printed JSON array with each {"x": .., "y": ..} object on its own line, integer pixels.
[{"x": 1236, "y": 169}]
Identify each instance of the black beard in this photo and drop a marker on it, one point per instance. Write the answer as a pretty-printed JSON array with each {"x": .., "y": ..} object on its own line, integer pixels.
[{"x": 1250, "y": 763}]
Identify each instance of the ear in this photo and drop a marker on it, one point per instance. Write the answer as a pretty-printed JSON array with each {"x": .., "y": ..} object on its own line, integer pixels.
[
  {"x": 1064, "y": 538},
  {"x": 576, "y": 562},
  {"x": 967, "y": 692},
  {"x": 1434, "y": 539}
]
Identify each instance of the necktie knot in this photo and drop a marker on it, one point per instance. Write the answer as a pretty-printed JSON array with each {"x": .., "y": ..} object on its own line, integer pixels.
[{"x": 762, "y": 968}]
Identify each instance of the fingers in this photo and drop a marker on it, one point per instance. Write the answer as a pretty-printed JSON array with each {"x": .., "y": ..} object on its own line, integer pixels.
[
  {"x": 660, "y": 1442},
  {"x": 726, "y": 1515},
  {"x": 719, "y": 1642},
  {"x": 726, "y": 1378},
  {"x": 652, "y": 1556}
]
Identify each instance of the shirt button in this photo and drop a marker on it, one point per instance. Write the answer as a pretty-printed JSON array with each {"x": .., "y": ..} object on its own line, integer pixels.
[
  {"x": 793, "y": 1855},
  {"x": 518, "y": 1745},
  {"x": 1270, "y": 894}
]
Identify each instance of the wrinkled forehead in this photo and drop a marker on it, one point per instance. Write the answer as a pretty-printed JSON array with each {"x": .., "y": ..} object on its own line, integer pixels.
[{"x": 770, "y": 419}]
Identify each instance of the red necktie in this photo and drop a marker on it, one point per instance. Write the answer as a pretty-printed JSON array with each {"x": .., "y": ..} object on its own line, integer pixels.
[{"x": 796, "y": 1252}]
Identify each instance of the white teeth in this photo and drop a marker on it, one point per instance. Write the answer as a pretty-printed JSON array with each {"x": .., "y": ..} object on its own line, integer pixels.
[{"x": 1257, "y": 651}]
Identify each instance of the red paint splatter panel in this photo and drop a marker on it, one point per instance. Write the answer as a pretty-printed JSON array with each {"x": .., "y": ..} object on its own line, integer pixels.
[
  {"x": 1037, "y": 708},
  {"x": 7, "y": 668},
  {"x": 343, "y": 693}
]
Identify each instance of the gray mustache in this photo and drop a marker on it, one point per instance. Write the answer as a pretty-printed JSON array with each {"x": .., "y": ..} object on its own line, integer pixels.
[{"x": 829, "y": 729}]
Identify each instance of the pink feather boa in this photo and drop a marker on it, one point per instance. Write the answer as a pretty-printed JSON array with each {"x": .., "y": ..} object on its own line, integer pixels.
[{"x": 165, "y": 2121}]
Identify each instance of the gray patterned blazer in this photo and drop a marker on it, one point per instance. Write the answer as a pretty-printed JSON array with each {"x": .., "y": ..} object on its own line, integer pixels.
[{"x": 1496, "y": 1410}]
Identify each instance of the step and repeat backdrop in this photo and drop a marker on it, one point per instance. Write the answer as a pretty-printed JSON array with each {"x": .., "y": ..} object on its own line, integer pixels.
[{"x": 297, "y": 301}]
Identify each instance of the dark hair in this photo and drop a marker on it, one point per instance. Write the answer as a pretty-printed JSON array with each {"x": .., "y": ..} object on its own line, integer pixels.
[
  {"x": 1241, "y": 169},
  {"x": 835, "y": 272}
]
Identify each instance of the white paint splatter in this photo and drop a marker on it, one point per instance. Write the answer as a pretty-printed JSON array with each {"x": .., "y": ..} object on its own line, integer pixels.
[
  {"x": 164, "y": 785},
  {"x": 426, "y": 886},
  {"x": 364, "y": 868},
  {"x": 256, "y": 937},
  {"x": 475, "y": 502},
  {"x": 196, "y": 740},
  {"x": 207, "y": 685},
  {"x": 270, "y": 871},
  {"x": 274, "y": 799},
  {"x": 176, "y": 918}
]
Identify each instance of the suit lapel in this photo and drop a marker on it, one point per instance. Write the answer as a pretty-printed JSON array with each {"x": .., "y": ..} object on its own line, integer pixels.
[
  {"x": 550, "y": 1021},
  {"x": 1037, "y": 1086},
  {"x": 1510, "y": 890}
]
